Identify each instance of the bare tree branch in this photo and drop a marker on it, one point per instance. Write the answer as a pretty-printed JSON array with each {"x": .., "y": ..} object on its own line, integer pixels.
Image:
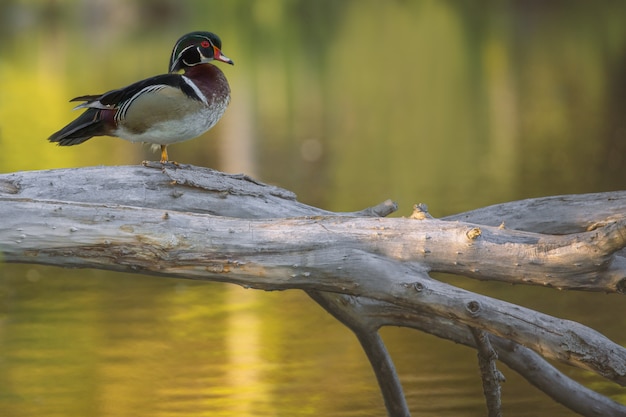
[
  {"x": 165, "y": 222},
  {"x": 337, "y": 254},
  {"x": 526, "y": 362},
  {"x": 489, "y": 372},
  {"x": 556, "y": 215},
  {"x": 367, "y": 333}
]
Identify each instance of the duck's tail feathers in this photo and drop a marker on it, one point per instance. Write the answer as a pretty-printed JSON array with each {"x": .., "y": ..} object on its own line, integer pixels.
[{"x": 86, "y": 126}]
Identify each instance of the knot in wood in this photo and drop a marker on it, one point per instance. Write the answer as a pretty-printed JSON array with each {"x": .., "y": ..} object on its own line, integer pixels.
[
  {"x": 473, "y": 233},
  {"x": 418, "y": 286},
  {"x": 9, "y": 187},
  {"x": 473, "y": 307}
]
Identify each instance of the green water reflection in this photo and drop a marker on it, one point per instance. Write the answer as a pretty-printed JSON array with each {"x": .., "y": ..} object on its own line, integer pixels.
[{"x": 456, "y": 104}]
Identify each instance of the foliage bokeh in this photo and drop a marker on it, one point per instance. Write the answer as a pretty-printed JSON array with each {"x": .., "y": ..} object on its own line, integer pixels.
[{"x": 456, "y": 104}]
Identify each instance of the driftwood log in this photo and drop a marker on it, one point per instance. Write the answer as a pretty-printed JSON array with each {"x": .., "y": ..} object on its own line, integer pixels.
[{"x": 366, "y": 270}]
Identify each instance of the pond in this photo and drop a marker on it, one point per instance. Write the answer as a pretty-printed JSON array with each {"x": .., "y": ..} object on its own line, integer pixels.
[{"x": 454, "y": 104}]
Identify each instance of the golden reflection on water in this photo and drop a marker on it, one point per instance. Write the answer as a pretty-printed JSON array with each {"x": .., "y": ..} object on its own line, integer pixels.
[
  {"x": 346, "y": 103},
  {"x": 243, "y": 343}
]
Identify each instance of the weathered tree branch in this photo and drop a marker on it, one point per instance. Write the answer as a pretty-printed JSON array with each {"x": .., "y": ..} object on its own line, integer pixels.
[
  {"x": 163, "y": 222},
  {"x": 556, "y": 215},
  {"x": 489, "y": 372},
  {"x": 367, "y": 333},
  {"x": 581, "y": 261},
  {"x": 327, "y": 253},
  {"x": 526, "y": 362}
]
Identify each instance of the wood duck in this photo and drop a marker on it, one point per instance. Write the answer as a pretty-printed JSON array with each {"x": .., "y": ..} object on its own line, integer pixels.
[{"x": 163, "y": 109}]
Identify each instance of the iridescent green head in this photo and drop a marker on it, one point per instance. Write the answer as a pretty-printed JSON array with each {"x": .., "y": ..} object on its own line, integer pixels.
[{"x": 197, "y": 48}]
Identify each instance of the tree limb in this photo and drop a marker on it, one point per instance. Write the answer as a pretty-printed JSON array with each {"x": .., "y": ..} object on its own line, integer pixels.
[
  {"x": 326, "y": 253},
  {"x": 489, "y": 372},
  {"x": 367, "y": 333},
  {"x": 163, "y": 222},
  {"x": 526, "y": 362}
]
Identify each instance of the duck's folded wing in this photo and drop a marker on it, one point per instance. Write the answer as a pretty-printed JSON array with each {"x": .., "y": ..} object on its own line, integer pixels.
[{"x": 115, "y": 98}]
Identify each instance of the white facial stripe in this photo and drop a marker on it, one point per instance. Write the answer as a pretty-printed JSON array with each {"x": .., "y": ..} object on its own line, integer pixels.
[{"x": 180, "y": 55}]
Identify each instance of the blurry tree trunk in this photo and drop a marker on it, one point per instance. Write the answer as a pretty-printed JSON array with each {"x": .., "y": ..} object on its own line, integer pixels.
[{"x": 367, "y": 271}]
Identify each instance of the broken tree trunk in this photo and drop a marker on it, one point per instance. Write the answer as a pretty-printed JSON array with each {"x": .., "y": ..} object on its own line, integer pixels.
[{"x": 367, "y": 271}]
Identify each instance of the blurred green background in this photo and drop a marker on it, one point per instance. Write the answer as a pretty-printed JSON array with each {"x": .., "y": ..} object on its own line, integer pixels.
[{"x": 457, "y": 104}]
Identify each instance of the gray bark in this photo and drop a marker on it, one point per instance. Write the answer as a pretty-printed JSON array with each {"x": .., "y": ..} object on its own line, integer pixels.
[
  {"x": 196, "y": 223},
  {"x": 489, "y": 372}
]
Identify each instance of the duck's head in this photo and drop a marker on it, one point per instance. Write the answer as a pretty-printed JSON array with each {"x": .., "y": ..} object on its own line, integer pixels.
[{"x": 197, "y": 48}]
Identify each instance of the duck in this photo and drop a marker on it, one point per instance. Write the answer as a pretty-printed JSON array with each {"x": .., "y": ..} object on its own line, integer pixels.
[{"x": 161, "y": 110}]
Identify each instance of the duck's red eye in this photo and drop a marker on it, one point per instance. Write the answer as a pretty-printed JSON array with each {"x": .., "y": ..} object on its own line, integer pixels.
[{"x": 205, "y": 44}]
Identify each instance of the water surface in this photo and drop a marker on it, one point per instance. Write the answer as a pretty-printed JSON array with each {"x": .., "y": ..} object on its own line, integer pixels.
[{"x": 455, "y": 104}]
